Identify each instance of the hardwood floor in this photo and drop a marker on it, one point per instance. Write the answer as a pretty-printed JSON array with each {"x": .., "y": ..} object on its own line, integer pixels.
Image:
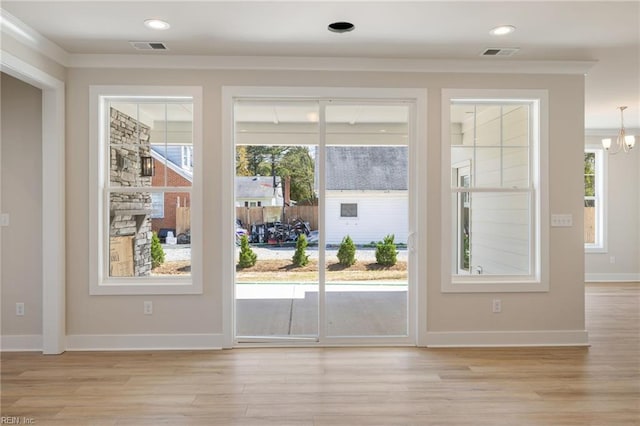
[{"x": 599, "y": 385}]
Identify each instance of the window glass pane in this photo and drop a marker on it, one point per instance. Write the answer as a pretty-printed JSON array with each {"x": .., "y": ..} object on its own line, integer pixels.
[
  {"x": 174, "y": 232},
  {"x": 377, "y": 176},
  {"x": 515, "y": 167},
  {"x": 129, "y": 234},
  {"x": 487, "y": 167},
  {"x": 494, "y": 138},
  {"x": 275, "y": 123},
  {"x": 492, "y": 237},
  {"x": 589, "y": 174},
  {"x": 276, "y": 203},
  {"x": 590, "y": 221},
  {"x": 348, "y": 210},
  {"x": 132, "y": 225},
  {"x": 494, "y": 167},
  {"x": 171, "y": 142},
  {"x": 515, "y": 125},
  {"x": 367, "y": 124},
  {"x": 459, "y": 156},
  {"x": 487, "y": 125},
  {"x": 128, "y": 142},
  {"x": 592, "y": 207}
]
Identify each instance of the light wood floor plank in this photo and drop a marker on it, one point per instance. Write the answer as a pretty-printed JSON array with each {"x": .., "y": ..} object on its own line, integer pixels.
[{"x": 599, "y": 385}]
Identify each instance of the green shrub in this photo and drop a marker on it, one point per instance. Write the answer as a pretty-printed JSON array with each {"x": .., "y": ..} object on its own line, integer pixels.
[
  {"x": 347, "y": 252},
  {"x": 299, "y": 257},
  {"x": 386, "y": 254},
  {"x": 247, "y": 257},
  {"x": 157, "y": 253}
]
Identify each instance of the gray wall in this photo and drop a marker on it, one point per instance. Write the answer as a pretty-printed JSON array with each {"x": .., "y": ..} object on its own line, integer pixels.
[
  {"x": 562, "y": 308},
  {"x": 21, "y": 184}
]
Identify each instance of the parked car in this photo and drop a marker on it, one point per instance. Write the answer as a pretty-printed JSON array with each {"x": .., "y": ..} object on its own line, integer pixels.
[
  {"x": 240, "y": 231},
  {"x": 312, "y": 238}
]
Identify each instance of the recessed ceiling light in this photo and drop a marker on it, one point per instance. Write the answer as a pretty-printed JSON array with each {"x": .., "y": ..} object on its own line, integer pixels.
[
  {"x": 341, "y": 27},
  {"x": 502, "y": 30},
  {"x": 156, "y": 24}
]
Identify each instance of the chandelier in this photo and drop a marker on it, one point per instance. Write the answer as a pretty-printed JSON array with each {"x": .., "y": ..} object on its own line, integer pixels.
[{"x": 624, "y": 142}]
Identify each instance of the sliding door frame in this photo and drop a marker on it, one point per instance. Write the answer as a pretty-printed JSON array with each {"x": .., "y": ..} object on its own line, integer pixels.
[{"x": 416, "y": 99}]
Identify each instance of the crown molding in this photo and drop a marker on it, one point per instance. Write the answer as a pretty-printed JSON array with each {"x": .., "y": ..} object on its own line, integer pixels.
[
  {"x": 15, "y": 28},
  {"x": 612, "y": 133},
  {"x": 493, "y": 65}
]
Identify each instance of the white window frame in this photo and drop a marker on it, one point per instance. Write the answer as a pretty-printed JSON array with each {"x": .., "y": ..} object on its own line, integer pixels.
[
  {"x": 602, "y": 164},
  {"x": 100, "y": 282},
  {"x": 417, "y": 238},
  {"x": 538, "y": 280}
]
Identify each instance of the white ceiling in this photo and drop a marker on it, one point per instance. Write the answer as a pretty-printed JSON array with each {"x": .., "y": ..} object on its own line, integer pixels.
[{"x": 607, "y": 32}]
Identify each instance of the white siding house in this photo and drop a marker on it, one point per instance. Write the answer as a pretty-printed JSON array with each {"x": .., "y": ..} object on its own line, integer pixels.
[
  {"x": 366, "y": 193},
  {"x": 258, "y": 191}
]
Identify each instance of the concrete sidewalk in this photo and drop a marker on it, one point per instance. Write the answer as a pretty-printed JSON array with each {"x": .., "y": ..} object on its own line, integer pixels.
[{"x": 264, "y": 310}]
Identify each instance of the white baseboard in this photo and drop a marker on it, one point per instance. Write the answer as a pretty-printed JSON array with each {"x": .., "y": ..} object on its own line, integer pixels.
[
  {"x": 21, "y": 343},
  {"x": 134, "y": 342},
  {"x": 445, "y": 339},
  {"x": 612, "y": 277}
]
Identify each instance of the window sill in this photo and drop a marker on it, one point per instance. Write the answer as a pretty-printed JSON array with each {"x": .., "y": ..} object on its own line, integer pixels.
[
  {"x": 595, "y": 250},
  {"x": 146, "y": 287},
  {"x": 493, "y": 285}
]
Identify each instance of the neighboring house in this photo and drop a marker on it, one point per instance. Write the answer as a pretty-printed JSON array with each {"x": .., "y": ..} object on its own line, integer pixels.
[
  {"x": 176, "y": 163},
  {"x": 258, "y": 191},
  {"x": 367, "y": 193}
]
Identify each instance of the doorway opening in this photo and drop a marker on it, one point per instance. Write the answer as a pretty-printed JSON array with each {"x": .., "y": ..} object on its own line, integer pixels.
[{"x": 324, "y": 222}]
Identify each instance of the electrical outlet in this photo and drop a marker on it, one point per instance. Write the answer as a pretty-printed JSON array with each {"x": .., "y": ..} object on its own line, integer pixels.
[
  {"x": 496, "y": 306},
  {"x": 20, "y": 309},
  {"x": 612, "y": 259},
  {"x": 4, "y": 219},
  {"x": 148, "y": 307}
]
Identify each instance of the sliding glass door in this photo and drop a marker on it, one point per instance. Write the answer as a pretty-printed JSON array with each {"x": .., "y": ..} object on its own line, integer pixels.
[
  {"x": 322, "y": 204},
  {"x": 366, "y": 201}
]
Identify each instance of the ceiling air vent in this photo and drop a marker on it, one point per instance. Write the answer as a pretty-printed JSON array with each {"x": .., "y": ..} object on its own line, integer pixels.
[
  {"x": 500, "y": 51},
  {"x": 148, "y": 45}
]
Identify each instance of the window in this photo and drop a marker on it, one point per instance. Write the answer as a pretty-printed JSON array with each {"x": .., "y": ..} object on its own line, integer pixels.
[
  {"x": 594, "y": 200},
  {"x": 187, "y": 157},
  {"x": 127, "y": 208},
  {"x": 493, "y": 208},
  {"x": 157, "y": 205},
  {"x": 348, "y": 210}
]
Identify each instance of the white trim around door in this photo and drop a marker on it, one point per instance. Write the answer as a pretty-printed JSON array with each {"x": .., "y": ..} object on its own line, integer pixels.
[
  {"x": 53, "y": 198},
  {"x": 417, "y": 243}
]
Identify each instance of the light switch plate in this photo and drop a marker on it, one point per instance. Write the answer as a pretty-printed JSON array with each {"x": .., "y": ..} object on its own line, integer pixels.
[
  {"x": 561, "y": 220},
  {"x": 4, "y": 219}
]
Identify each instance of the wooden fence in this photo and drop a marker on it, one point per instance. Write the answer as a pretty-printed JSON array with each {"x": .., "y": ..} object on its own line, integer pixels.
[
  {"x": 259, "y": 215},
  {"x": 589, "y": 225},
  {"x": 183, "y": 219}
]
